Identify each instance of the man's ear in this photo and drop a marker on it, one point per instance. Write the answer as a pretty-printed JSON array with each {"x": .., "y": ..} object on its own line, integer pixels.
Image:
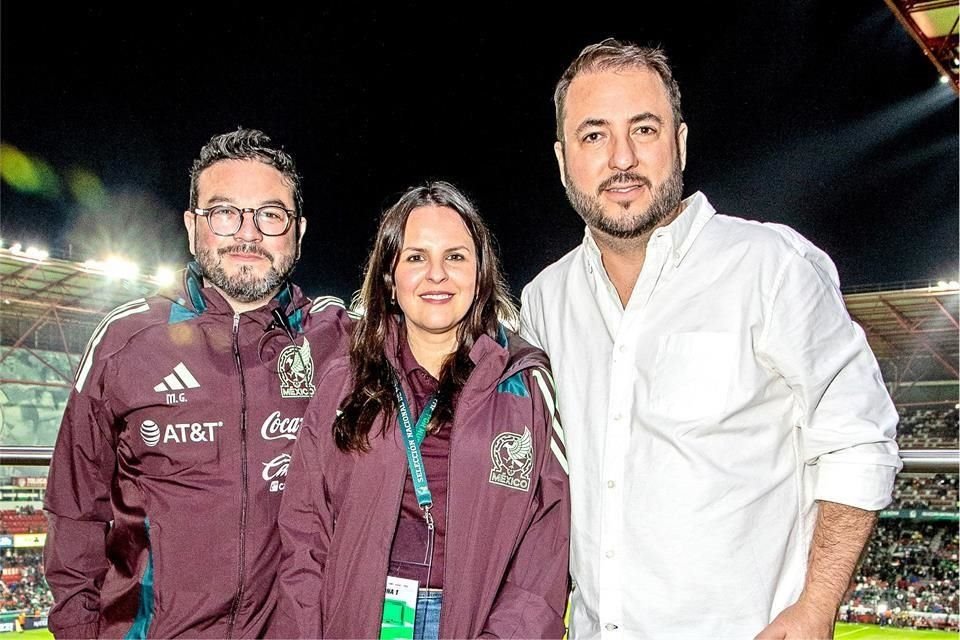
[
  {"x": 558, "y": 151},
  {"x": 301, "y": 230},
  {"x": 682, "y": 144},
  {"x": 190, "y": 222}
]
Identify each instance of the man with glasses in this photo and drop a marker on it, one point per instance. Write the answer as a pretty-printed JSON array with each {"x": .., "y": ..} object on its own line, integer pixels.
[{"x": 172, "y": 455}]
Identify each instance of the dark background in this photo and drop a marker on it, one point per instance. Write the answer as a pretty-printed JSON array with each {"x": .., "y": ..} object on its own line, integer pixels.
[{"x": 822, "y": 115}]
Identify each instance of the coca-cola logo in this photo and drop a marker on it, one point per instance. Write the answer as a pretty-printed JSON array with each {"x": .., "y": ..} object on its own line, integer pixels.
[
  {"x": 276, "y": 427},
  {"x": 276, "y": 468}
]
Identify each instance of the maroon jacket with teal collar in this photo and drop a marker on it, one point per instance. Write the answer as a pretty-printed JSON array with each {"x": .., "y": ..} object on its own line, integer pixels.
[
  {"x": 507, "y": 508},
  {"x": 171, "y": 460}
]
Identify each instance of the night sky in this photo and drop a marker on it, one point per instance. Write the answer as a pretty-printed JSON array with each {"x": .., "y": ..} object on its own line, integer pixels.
[{"x": 821, "y": 115}]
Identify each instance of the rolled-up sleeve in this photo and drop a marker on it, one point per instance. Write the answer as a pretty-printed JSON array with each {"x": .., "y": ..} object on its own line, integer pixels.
[{"x": 847, "y": 419}]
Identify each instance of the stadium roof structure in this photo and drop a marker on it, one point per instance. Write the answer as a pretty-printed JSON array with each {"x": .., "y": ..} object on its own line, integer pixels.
[
  {"x": 61, "y": 299},
  {"x": 933, "y": 24},
  {"x": 68, "y": 286},
  {"x": 914, "y": 332}
]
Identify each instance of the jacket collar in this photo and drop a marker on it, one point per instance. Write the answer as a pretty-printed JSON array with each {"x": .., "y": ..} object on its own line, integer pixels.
[
  {"x": 195, "y": 299},
  {"x": 494, "y": 359},
  {"x": 680, "y": 233}
]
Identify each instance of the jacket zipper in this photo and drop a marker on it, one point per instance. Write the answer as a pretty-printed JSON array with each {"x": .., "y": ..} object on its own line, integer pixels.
[{"x": 235, "y": 608}]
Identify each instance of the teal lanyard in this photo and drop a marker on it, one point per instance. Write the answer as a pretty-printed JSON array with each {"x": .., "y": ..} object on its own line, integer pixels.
[{"x": 414, "y": 436}]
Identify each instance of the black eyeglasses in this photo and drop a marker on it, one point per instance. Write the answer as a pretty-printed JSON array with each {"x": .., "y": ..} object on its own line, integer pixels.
[{"x": 226, "y": 219}]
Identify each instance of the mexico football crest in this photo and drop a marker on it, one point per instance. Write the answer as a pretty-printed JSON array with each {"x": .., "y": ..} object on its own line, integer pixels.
[
  {"x": 295, "y": 368},
  {"x": 512, "y": 457}
]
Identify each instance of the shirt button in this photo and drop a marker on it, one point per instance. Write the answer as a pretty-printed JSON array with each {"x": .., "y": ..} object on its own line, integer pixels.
[
  {"x": 610, "y": 626},
  {"x": 618, "y": 417},
  {"x": 622, "y": 348},
  {"x": 609, "y": 554},
  {"x": 611, "y": 484}
]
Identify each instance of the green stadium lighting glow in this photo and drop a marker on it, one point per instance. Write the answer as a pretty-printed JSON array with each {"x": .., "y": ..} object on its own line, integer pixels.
[
  {"x": 27, "y": 174},
  {"x": 86, "y": 188},
  {"x": 17, "y": 170}
]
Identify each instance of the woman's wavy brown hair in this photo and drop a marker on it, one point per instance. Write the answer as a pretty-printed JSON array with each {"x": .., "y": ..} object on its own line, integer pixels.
[{"x": 373, "y": 393}]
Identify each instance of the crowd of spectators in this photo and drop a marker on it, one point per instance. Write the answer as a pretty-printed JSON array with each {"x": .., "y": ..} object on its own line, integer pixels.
[
  {"x": 910, "y": 568},
  {"x": 928, "y": 428},
  {"x": 927, "y": 491},
  {"x": 29, "y": 591}
]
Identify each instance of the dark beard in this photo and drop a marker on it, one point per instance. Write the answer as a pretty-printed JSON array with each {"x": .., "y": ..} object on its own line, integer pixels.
[
  {"x": 244, "y": 286},
  {"x": 665, "y": 201}
]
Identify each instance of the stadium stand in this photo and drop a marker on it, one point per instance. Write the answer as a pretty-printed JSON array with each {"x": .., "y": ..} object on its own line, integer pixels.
[
  {"x": 928, "y": 429},
  {"x": 23, "y": 520},
  {"x": 23, "y": 586},
  {"x": 909, "y": 576}
]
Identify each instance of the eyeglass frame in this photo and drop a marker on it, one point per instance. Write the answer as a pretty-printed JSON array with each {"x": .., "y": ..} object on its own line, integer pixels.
[{"x": 292, "y": 213}]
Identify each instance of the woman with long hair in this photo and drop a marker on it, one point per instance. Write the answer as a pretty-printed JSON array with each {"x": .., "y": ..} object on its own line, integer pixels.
[{"x": 427, "y": 492}]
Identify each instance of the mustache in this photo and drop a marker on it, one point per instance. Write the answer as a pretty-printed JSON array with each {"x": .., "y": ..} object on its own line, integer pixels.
[
  {"x": 246, "y": 247},
  {"x": 624, "y": 177}
]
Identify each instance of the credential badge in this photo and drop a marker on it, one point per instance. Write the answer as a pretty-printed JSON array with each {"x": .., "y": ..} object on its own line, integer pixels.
[
  {"x": 512, "y": 457},
  {"x": 295, "y": 368}
]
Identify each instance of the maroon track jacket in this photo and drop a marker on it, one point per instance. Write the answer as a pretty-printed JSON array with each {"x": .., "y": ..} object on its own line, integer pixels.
[
  {"x": 171, "y": 460},
  {"x": 507, "y": 508}
]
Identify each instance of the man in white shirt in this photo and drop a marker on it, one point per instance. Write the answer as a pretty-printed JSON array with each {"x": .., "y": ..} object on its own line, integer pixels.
[{"x": 728, "y": 433}]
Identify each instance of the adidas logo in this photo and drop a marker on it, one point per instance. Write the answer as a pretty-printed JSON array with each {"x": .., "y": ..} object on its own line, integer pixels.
[{"x": 181, "y": 378}]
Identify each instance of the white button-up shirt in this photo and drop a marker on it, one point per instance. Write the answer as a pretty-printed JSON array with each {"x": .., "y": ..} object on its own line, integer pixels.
[{"x": 703, "y": 421}]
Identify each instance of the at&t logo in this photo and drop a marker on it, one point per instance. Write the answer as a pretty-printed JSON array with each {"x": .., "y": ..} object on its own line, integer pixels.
[{"x": 179, "y": 433}]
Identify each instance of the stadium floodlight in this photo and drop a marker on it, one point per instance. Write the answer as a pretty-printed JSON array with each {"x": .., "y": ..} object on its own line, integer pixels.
[
  {"x": 93, "y": 265},
  {"x": 117, "y": 267},
  {"x": 37, "y": 253},
  {"x": 165, "y": 276},
  {"x": 31, "y": 252},
  {"x": 952, "y": 285},
  {"x": 114, "y": 268}
]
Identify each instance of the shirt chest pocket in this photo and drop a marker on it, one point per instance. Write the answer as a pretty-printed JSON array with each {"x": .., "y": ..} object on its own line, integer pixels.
[{"x": 692, "y": 375}]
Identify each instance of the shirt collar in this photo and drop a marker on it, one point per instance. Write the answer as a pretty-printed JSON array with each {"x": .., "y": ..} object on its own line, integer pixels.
[
  {"x": 407, "y": 361},
  {"x": 681, "y": 233}
]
